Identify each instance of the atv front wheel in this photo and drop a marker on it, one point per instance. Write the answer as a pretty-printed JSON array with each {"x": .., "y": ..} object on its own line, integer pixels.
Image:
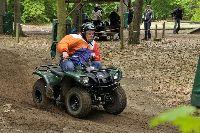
[
  {"x": 39, "y": 94},
  {"x": 118, "y": 102},
  {"x": 78, "y": 102}
]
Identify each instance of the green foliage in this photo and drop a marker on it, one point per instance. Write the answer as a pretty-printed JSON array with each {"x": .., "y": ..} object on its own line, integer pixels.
[
  {"x": 196, "y": 12},
  {"x": 162, "y": 8},
  {"x": 181, "y": 117},
  {"x": 10, "y": 5},
  {"x": 42, "y": 11},
  {"x": 38, "y": 11},
  {"x": 108, "y": 8},
  {"x": 50, "y": 9}
]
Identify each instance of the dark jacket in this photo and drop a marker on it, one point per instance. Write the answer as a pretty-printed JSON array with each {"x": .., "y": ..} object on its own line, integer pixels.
[
  {"x": 177, "y": 13},
  {"x": 148, "y": 16},
  {"x": 130, "y": 17},
  {"x": 114, "y": 19}
]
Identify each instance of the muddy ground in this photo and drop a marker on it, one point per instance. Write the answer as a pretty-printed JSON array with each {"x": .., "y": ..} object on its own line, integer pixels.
[{"x": 157, "y": 76}]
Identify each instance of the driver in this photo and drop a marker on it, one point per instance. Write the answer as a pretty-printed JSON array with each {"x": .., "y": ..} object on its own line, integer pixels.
[{"x": 78, "y": 42}]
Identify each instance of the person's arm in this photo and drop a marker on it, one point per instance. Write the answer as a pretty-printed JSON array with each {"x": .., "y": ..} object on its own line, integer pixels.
[
  {"x": 67, "y": 43},
  {"x": 63, "y": 45},
  {"x": 96, "y": 51},
  {"x": 152, "y": 15}
]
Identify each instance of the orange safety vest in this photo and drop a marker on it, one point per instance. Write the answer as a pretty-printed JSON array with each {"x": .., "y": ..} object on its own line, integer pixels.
[{"x": 71, "y": 43}]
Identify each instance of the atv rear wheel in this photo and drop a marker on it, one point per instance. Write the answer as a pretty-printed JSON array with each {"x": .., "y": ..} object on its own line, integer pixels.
[
  {"x": 118, "y": 102},
  {"x": 39, "y": 94},
  {"x": 78, "y": 102}
]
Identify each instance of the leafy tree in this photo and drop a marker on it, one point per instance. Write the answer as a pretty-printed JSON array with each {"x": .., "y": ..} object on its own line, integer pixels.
[
  {"x": 196, "y": 13},
  {"x": 50, "y": 9},
  {"x": 42, "y": 11},
  {"x": 38, "y": 11},
  {"x": 34, "y": 11},
  {"x": 162, "y": 8}
]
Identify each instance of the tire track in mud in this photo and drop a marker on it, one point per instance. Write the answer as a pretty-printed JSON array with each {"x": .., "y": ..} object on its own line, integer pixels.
[{"x": 14, "y": 76}]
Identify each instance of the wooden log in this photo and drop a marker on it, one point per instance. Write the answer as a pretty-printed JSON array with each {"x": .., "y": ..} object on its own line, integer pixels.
[
  {"x": 156, "y": 32},
  {"x": 17, "y": 32},
  {"x": 163, "y": 30}
]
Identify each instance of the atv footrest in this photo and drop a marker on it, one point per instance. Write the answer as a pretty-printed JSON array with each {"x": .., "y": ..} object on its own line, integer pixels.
[{"x": 56, "y": 70}]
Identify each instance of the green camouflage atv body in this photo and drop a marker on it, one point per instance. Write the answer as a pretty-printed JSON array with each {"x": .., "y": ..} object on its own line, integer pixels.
[{"x": 79, "y": 90}]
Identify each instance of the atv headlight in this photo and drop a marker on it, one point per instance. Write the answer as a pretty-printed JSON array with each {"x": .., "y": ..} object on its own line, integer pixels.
[
  {"x": 84, "y": 80},
  {"x": 116, "y": 76}
]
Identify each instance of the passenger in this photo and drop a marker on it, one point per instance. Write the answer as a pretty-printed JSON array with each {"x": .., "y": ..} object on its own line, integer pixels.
[{"x": 74, "y": 43}]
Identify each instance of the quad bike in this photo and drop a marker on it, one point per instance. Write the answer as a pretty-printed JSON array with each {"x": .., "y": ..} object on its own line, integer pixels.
[
  {"x": 106, "y": 32},
  {"x": 79, "y": 90}
]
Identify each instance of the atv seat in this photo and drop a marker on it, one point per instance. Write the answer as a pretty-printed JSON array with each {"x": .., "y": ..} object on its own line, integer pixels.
[{"x": 56, "y": 70}]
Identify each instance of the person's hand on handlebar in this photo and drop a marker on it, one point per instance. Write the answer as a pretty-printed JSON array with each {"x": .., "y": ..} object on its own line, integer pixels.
[
  {"x": 65, "y": 55},
  {"x": 93, "y": 55}
]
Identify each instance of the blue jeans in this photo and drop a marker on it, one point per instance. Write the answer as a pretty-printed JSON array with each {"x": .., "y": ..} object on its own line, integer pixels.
[
  {"x": 177, "y": 25},
  {"x": 147, "y": 26},
  {"x": 96, "y": 64},
  {"x": 67, "y": 65}
]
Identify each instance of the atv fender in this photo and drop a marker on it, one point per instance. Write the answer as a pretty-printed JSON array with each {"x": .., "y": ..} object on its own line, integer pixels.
[{"x": 50, "y": 78}]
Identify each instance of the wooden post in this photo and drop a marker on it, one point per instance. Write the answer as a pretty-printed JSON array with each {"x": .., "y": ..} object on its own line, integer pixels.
[
  {"x": 163, "y": 31},
  {"x": 122, "y": 24},
  {"x": 156, "y": 33},
  {"x": 17, "y": 32}
]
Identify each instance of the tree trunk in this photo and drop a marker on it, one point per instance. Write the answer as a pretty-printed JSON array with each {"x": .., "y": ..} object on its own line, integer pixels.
[
  {"x": 121, "y": 24},
  {"x": 17, "y": 16},
  {"x": 134, "y": 31},
  {"x": 61, "y": 15},
  {"x": 2, "y": 12},
  {"x": 129, "y": 4}
]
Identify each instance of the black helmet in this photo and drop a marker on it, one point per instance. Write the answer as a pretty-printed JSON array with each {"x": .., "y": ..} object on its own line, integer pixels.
[{"x": 87, "y": 26}]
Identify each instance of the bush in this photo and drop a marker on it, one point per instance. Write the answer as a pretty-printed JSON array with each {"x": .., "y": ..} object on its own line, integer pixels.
[{"x": 181, "y": 117}]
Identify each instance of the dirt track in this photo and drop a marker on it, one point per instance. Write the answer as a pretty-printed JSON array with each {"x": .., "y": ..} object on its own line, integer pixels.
[{"x": 156, "y": 76}]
